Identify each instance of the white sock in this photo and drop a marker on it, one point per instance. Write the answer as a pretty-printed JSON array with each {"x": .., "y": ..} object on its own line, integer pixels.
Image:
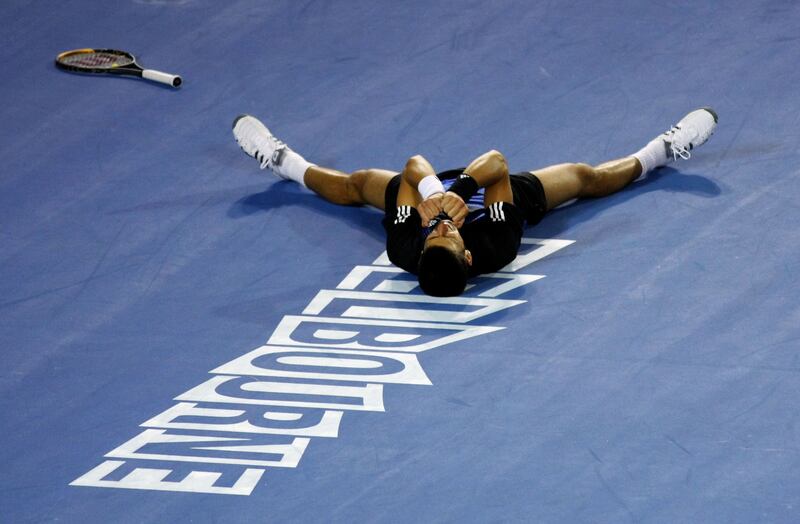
[
  {"x": 293, "y": 167},
  {"x": 653, "y": 155}
]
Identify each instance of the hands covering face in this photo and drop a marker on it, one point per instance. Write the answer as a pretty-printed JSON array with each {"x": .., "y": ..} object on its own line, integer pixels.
[{"x": 449, "y": 203}]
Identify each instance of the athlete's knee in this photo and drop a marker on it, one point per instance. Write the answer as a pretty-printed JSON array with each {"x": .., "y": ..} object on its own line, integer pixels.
[
  {"x": 587, "y": 175},
  {"x": 355, "y": 186}
]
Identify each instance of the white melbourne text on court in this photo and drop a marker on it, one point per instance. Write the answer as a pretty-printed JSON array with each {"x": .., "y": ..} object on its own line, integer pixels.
[{"x": 262, "y": 410}]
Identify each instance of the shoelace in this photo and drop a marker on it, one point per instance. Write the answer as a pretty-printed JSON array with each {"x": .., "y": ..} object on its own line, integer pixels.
[
  {"x": 680, "y": 141},
  {"x": 265, "y": 161}
]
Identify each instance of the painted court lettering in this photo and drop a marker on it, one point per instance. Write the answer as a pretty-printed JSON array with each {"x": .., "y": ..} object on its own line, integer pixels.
[{"x": 263, "y": 409}]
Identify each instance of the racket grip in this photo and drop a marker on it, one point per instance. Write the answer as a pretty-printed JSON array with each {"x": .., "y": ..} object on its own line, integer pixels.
[{"x": 164, "y": 78}]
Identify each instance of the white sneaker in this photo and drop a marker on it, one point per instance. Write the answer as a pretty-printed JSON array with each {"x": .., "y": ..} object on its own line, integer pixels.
[
  {"x": 256, "y": 140},
  {"x": 692, "y": 131}
]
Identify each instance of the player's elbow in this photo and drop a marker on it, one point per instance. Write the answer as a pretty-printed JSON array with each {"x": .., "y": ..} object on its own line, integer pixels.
[
  {"x": 497, "y": 160},
  {"x": 415, "y": 169},
  {"x": 496, "y": 155},
  {"x": 415, "y": 164}
]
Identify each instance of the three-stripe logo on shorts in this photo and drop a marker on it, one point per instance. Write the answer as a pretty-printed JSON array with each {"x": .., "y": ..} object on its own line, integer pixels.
[
  {"x": 403, "y": 212},
  {"x": 496, "y": 213}
]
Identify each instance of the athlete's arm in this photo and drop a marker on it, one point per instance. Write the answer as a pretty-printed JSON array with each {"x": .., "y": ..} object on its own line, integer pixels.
[
  {"x": 490, "y": 171},
  {"x": 415, "y": 170}
]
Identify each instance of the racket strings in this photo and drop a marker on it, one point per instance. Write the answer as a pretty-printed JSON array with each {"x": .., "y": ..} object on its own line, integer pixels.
[{"x": 97, "y": 60}]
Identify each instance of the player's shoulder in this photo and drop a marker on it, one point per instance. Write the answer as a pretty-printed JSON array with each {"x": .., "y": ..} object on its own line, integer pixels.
[
  {"x": 402, "y": 220},
  {"x": 502, "y": 212},
  {"x": 405, "y": 214}
]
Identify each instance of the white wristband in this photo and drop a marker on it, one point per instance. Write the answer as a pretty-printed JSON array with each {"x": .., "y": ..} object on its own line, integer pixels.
[{"x": 430, "y": 185}]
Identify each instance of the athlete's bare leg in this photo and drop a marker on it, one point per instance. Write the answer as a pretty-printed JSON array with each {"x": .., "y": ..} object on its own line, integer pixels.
[
  {"x": 366, "y": 186},
  {"x": 565, "y": 182},
  {"x": 562, "y": 182},
  {"x": 568, "y": 181}
]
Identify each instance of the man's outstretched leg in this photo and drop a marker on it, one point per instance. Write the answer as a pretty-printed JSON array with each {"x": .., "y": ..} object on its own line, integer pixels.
[
  {"x": 366, "y": 186},
  {"x": 565, "y": 182}
]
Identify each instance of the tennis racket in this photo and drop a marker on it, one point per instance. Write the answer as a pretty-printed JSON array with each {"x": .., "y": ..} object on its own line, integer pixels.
[{"x": 113, "y": 62}]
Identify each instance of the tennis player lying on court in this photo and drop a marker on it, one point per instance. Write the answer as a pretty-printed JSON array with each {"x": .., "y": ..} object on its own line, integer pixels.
[{"x": 449, "y": 226}]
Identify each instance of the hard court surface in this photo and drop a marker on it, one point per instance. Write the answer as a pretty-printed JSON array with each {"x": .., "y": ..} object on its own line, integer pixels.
[{"x": 652, "y": 375}]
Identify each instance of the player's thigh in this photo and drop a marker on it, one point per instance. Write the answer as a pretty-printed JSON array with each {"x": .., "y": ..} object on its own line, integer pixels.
[
  {"x": 371, "y": 184},
  {"x": 563, "y": 182}
]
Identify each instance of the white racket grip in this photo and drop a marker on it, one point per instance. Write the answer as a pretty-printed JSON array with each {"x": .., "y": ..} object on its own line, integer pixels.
[{"x": 164, "y": 78}]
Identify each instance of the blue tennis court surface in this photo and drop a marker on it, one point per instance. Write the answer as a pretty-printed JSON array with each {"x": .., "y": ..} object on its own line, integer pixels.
[{"x": 188, "y": 339}]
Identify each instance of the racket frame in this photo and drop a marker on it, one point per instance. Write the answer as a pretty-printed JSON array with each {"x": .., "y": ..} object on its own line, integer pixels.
[{"x": 132, "y": 69}]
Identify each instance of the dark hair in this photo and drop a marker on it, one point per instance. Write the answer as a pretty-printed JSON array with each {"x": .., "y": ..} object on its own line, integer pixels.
[{"x": 442, "y": 272}]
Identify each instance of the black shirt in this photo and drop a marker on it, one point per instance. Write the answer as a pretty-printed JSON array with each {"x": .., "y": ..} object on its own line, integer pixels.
[{"x": 492, "y": 235}]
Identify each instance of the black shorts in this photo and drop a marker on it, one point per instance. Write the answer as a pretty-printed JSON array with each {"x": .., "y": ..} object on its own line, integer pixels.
[
  {"x": 526, "y": 187},
  {"x": 529, "y": 196}
]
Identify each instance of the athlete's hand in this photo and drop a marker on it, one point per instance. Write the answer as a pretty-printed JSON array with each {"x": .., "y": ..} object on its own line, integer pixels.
[
  {"x": 456, "y": 209},
  {"x": 429, "y": 208}
]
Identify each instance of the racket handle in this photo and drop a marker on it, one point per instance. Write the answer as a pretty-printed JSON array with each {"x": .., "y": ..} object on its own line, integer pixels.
[{"x": 164, "y": 78}]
